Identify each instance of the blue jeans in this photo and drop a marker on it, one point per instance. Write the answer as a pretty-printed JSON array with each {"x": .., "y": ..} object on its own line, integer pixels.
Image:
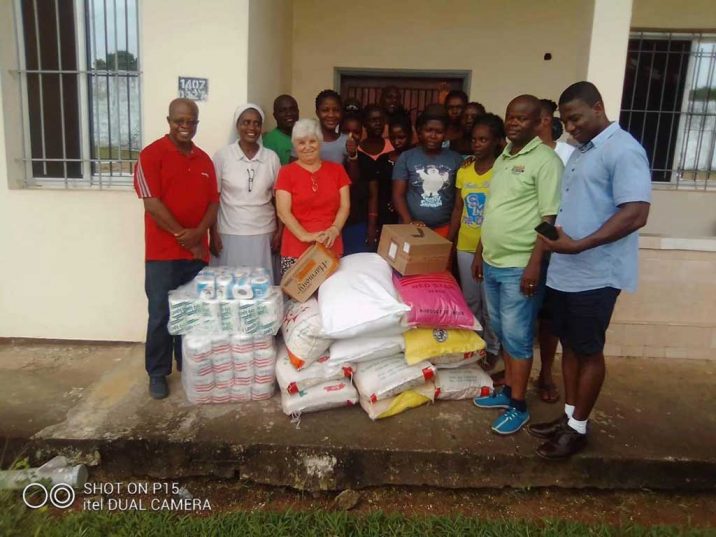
[
  {"x": 512, "y": 314},
  {"x": 160, "y": 277}
]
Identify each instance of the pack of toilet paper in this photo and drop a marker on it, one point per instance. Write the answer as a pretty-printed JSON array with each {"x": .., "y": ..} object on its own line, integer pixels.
[
  {"x": 228, "y": 368},
  {"x": 227, "y": 300}
]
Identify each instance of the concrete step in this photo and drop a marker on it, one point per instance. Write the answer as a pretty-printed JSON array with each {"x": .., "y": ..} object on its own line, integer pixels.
[{"x": 653, "y": 428}]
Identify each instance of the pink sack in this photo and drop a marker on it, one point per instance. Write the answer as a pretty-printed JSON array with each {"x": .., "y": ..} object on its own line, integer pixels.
[{"x": 435, "y": 301}]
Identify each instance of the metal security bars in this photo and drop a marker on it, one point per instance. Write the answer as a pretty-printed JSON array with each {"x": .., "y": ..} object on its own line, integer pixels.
[
  {"x": 417, "y": 91},
  {"x": 669, "y": 105},
  {"x": 80, "y": 87}
]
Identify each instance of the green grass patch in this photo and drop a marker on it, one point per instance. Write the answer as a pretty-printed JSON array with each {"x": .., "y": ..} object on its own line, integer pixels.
[{"x": 18, "y": 521}]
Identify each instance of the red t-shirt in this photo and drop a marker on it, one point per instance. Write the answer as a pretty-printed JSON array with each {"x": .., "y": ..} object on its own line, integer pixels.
[
  {"x": 186, "y": 184},
  {"x": 315, "y": 211}
]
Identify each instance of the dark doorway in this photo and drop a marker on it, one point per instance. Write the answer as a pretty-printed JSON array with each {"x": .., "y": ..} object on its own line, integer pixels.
[{"x": 417, "y": 91}]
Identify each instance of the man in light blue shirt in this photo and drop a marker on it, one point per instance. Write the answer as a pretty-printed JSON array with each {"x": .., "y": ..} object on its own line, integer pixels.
[{"x": 606, "y": 194}]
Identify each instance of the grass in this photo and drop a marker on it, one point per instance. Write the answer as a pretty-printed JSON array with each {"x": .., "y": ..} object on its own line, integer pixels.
[{"x": 18, "y": 521}]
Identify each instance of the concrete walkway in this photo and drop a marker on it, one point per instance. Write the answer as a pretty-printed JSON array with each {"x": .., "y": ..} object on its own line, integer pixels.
[{"x": 655, "y": 427}]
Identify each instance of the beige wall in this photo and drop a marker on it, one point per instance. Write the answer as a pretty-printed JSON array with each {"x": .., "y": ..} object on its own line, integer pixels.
[
  {"x": 210, "y": 40},
  {"x": 674, "y": 14},
  {"x": 682, "y": 213},
  {"x": 73, "y": 260},
  {"x": 672, "y": 314},
  {"x": 270, "y": 44},
  {"x": 501, "y": 42}
]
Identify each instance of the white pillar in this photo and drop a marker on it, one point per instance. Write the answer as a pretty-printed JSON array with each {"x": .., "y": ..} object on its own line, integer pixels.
[{"x": 608, "y": 49}]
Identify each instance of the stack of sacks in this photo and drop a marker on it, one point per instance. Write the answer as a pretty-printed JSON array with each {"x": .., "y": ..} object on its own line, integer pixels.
[
  {"x": 389, "y": 386},
  {"x": 318, "y": 386},
  {"x": 360, "y": 310},
  {"x": 228, "y": 317},
  {"x": 308, "y": 381},
  {"x": 443, "y": 331},
  {"x": 223, "y": 369},
  {"x": 302, "y": 333}
]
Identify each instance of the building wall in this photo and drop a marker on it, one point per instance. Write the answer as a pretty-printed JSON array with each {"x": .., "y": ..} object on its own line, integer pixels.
[
  {"x": 674, "y": 14},
  {"x": 502, "y": 43},
  {"x": 670, "y": 315},
  {"x": 270, "y": 46},
  {"x": 682, "y": 213},
  {"x": 73, "y": 260}
]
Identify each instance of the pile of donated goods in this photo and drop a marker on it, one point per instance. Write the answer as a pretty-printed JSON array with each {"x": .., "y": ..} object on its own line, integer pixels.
[{"x": 389, "y": 331}]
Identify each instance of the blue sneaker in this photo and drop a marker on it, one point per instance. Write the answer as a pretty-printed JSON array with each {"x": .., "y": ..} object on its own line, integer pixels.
[
  {"x": 494, "y": 400},
  {"x": 510, "y": 422}
]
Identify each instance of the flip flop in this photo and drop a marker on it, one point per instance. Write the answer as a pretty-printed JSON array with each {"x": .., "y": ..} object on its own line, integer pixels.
[{"x": 547, "y": 392}]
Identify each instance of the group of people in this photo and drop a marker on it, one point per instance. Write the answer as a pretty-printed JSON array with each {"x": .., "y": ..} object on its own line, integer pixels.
[{"x": 482, "y": 183}]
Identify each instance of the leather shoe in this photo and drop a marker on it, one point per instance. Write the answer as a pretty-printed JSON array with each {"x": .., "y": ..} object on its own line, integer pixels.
[
  {"x": 548, "y": 429},
  {"x": 563, "y": 445},
  {"x": 158, "y": 387}
]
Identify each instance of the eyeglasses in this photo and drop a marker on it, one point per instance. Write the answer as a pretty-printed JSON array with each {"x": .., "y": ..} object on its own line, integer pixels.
[
  {"x": 314, "y": 183},
  {"x": 185, "y": 122},
  {"x": 251, "y": 173}
]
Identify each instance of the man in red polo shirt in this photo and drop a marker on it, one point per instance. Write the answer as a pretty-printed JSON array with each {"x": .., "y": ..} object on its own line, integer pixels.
[{"x": 177, "y": 182}]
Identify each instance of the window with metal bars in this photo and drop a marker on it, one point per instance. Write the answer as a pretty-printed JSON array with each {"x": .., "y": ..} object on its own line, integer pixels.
[
  {"x": 669, "y": 105},
  {"x": 80, "y": 87}
]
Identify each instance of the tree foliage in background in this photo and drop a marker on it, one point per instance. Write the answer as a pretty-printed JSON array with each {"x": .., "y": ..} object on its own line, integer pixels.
[
  {"x": 125, "y": 61},
  {"x": 703, "y": 93}
]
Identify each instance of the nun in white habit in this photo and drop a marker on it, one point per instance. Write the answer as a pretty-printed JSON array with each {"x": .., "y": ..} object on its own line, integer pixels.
[{"x": 246, "y": 227}]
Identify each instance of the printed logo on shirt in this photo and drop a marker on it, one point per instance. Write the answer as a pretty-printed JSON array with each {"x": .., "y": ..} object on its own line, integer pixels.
[
  {"x": 434, "y": 178},
  {"x": 518, "y": 169},
  {"x": 474, "y": 209}
]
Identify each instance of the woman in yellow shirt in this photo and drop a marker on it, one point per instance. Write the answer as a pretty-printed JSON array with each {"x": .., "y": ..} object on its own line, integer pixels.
[{"x": 473, "y": 186}]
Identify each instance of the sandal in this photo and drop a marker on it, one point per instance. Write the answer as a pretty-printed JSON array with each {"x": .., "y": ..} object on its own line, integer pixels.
[{"x": 548, "y": 392}]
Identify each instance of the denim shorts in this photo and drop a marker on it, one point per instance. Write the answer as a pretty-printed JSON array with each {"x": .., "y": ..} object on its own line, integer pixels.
[{"x": 512, "y": 314}]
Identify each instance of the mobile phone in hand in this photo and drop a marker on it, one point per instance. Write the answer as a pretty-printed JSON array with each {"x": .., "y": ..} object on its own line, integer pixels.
[{"x": 548, "y": 230}]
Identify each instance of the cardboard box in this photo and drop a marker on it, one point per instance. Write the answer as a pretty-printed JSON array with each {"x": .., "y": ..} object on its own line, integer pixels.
[
  {"x": 410, "y": 249},
  {"x": 310, "y": 271}
]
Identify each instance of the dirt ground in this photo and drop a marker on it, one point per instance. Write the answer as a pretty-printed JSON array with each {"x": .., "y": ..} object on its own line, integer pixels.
[{"x": 618, "y": 508}]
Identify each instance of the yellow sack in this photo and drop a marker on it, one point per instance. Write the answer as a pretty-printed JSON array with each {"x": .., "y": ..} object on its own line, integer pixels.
[
  {"x": 426, "y": 343},
  {"x": 400, "y": 403}
]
